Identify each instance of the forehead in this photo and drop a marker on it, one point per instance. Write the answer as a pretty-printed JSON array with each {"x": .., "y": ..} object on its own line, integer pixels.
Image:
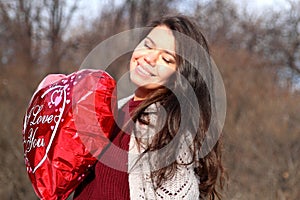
[{"x": 163, "y": 37}]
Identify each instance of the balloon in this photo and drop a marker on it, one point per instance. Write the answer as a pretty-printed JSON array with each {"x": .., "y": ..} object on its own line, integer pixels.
[{"x": 67, "y": 124}]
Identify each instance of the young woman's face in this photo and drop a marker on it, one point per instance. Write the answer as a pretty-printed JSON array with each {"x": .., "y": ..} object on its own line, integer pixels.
[{"x": 153, "y": 61}]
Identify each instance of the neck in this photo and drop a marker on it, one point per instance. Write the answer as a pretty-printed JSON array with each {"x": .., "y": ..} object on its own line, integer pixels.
[{"x": 141, "y": 94}]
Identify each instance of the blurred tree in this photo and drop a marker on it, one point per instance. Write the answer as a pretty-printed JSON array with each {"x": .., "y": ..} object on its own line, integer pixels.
[
  {"x": 17, "y": 19},
  {"x": 281, "y": 43},
  {"x": 33, "y": 30},
  {"x": 59, "y": 18},
  {"x": 275, "y": 34},
  {"x": 135, "y": 13},
  {"x": 218, "y": 18}
]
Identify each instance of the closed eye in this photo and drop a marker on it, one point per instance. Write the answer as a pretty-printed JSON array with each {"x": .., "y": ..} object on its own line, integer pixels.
[
  {"x": 168, "y": 60},
  {"x": 148, "y": 44}
]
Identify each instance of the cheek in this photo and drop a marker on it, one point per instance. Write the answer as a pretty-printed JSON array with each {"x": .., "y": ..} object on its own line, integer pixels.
[
  {"x": 166, "y": 73},
  {"x": 134, "y": 57},
  {"x": 132, "y": 62}
]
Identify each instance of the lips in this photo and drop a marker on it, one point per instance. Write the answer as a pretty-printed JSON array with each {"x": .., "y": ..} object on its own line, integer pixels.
[{"x": 143, "y": 71}]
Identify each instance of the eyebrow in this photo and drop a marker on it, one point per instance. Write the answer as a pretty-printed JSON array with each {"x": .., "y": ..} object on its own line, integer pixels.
[{"x": 165, "y": 50}]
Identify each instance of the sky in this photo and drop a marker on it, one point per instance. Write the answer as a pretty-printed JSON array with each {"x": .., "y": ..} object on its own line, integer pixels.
[
  {"x": 88, "y": 10},
  {"x": 92, "y": 7},
  {"x": 260, "y": 5}
]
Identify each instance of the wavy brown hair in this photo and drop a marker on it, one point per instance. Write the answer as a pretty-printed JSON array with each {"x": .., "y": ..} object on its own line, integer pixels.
[{"x": 186, "y": 81}]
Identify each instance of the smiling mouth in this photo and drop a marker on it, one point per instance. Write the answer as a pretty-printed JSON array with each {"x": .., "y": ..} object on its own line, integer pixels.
[{"x": 140, "y": 70}]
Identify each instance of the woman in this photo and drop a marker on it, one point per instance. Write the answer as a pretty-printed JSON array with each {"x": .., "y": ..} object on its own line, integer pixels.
[{"x": 171, "y": 114}]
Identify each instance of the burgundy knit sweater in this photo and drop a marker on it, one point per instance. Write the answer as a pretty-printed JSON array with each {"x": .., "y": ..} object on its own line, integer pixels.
[{"x": 106, "y": 182}]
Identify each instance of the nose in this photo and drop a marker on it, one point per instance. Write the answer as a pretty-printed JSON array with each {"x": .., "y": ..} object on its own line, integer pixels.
[{"x": 151, "y": 58}]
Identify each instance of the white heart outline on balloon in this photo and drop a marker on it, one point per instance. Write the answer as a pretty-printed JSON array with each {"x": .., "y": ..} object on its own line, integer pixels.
[{"x": 63, "y": 89}]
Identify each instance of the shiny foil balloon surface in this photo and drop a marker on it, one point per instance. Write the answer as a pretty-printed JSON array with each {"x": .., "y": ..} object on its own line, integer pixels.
[{"x": 66, "y": 126}]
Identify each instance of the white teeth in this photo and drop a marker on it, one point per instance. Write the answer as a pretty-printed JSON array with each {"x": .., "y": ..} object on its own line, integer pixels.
[{"x": 140, "y": 68}]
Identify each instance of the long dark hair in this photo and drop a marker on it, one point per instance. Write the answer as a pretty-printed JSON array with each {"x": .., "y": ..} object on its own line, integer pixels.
[{"x": 209, "y": 168}]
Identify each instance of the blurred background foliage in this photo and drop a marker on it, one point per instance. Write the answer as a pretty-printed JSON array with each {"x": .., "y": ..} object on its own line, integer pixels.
[{"x": 257, "y": 53}]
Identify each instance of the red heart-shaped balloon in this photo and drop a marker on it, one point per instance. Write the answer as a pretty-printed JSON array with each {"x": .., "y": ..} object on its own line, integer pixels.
[{"x": 66, "y": 126}]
